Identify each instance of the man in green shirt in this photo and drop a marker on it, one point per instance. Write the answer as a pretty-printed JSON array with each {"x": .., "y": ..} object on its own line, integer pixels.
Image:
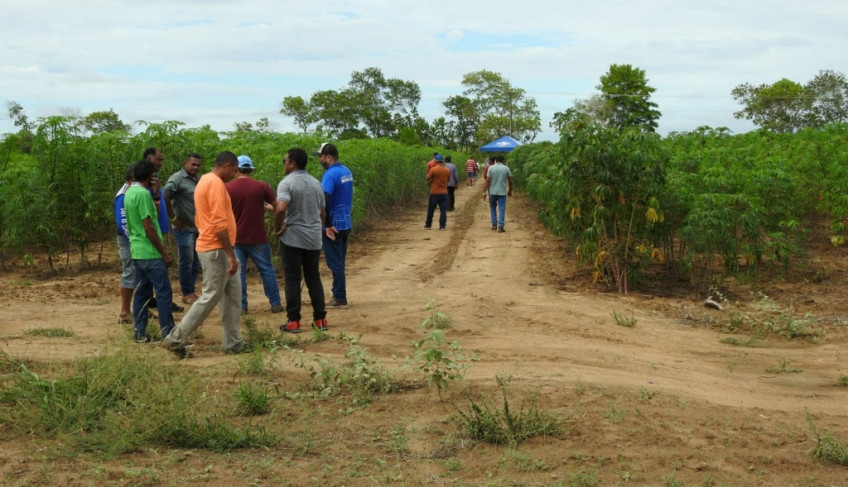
[{"x": 150, "y": 258}]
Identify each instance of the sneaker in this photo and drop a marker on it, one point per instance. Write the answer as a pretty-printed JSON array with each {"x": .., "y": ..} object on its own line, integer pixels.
[
  {"x": 320, "y": 324},
  {"x": 181, "y": 351},
  {"x": 427, "y": 228},
  {"x": 246, "y": 347},
  {"x": 190, "y": 298},
  {"x": 336, "y": 304},
  {"x": 277, "y": 308},
  {"x": 291, "y": 326},
  {"x": 175, "y": 308},
  {"x": 442, "y": 229},
  {"x": 501, "y": 229},
  {"x": 143, "y": 339},
  {"x": 494, "y": 227}
]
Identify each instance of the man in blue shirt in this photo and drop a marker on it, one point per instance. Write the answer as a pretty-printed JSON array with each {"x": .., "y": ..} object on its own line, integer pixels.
[{"x": 338, "y": 193}]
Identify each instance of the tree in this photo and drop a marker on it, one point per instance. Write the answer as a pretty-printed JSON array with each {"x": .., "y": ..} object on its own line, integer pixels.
[
  {"x": 465, "y": 120},
  {"x": 335, "y": 111},
  {"x": 626, "y": 90},
  {"x": 302, "y": 112},
  {"x": 778, "y": 107},
  {"x": 501, "y": 108},
  {"x": 826, "y": 99},
  {"x": 18, "y": 116},
  {"x": 103, "y": 122},
  {"x": 380, "y": 100}
]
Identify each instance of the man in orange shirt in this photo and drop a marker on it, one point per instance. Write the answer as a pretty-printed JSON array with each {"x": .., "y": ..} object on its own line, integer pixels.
[
  {"x": 437, "y": 178},
  {"x": 216, "y": 225}
]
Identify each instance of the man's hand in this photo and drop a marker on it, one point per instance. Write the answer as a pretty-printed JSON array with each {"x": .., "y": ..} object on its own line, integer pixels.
[
  {"x": 282, "y": 230},
  {"x": 231, "y": 258},
  {"x": 331, "y": 233},
  {"x": 167, "y": 259},
  {"x": 179, "y": 225}
]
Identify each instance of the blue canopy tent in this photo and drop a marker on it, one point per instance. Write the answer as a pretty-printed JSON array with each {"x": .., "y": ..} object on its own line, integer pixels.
[{"x": 504, "y": 144}]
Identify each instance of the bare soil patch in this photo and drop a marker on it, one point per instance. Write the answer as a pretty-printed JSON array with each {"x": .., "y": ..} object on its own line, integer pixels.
[{"x": 662, "y": 403}]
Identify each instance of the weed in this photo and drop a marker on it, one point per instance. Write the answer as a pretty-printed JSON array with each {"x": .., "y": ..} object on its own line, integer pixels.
[
  {"x": 828, "y": 448},
  {"x": 264, "y": 336},
  {"x": 453, "y": 464},
  {"x": 843, "y": 381},
  {"x": 769, "y": 317},
  {"x": 748, "y": 342},
  {"x": 254, "y": 363},
  {"x": 398, "y": 444},
  {"x": 783, "y": 368},
  {"x": 49, "y": 332},
  {"x": 437, "y": 319},
  {"x": 439, "y": 360},
  {"x": 622, "y": 320},
  {"x": 253, "y": 399},
  {"x": 582, "y": 478},
  {"x": 646, "y": 395},
  {"x": 613, "y": 412},
  {"x": 483, "y": 421}
]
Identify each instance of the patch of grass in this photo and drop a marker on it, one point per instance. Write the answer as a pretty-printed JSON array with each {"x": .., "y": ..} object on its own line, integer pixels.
[
  {"x": 438, "y": 360},
  {"x": 253, "y": 399},
  {"x": 736, "y": 342},
  {"x": 621, "y": 320},
  {"x": 783, "y": 368},
  {"x": 768, "y": 317},
  {"x": 49, "y": 332},
  {"x": 842, "y": 381},
  {"x": 828, "y": 449},
  {"x": 484, "y": 421},
  {"x": 118, "y": 403}
]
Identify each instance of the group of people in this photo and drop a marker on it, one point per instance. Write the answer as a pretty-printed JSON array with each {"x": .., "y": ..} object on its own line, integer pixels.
[
  {"x": 219, "y": 222},
  {"x": 442, "y": 178}
]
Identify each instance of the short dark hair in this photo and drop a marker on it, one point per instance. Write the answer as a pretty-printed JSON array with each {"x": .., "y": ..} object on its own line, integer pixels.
[
  {"x": 329, "y": 150},
  {"x": 245, "y": 170},
  {"x": 226, "y": 157},
  {"x": 194, "y": 155},
  {"x": 500, "y": 159},
  {"x": 143, "y": 170},
  {"x": 130, "y": 172},
  {"x": 298, "y": 156},
  {"x": 149, "y": 152},
  {"x": 447, "y": 158}
]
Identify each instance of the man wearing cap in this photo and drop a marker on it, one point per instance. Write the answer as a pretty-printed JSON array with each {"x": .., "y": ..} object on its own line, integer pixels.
[
  {"x": 298, "y": 218},
  {"x": 179, "y": 198},
  {"x": 250, "y": 198},
  {"x": 437, "y": 178},
  {"x": 338, "y": 194}
]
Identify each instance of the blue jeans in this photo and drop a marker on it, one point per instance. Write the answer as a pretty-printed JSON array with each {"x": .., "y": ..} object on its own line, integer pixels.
[
  {"x": 150, "y": 275},
  {"x": 440, "y": 200},
  {"x": 302, "y": 264},
  {"x": 189, "y": 263},
  {"x": 261, "y": 255},
  {"x": 497, "y": 204},
  {"x": 335, "y": 252}
]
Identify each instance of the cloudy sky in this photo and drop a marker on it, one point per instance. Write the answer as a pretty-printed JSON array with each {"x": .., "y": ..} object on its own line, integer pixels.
[{"x": 219, "y": 62}]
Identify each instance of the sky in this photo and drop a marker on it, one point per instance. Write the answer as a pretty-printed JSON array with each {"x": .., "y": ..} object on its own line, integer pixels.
[{"x": 218, "y": 62}]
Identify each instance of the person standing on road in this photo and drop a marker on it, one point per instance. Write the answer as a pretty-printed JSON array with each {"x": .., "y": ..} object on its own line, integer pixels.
[
  {"x": 150, "y": 258},
  {"x": 298, "y": 219},
  {"x": 499, "y": 186},
  {"x": 437, "y": 178},
  {"x": 337, "y": 183},
  {"x": 453, "y": 181},
  {"x": 217, "y": 232},
  {"x": 432, "y": 162},
  {"x": 179, "y": 199},
  {"x": 250, "y": 199},
  {"x": 470, "y": 171},
  {"x": 127, "y": 270}
]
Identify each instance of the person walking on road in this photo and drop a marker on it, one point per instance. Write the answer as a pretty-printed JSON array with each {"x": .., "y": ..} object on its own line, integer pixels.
[
  {"x": 337, "y": 183},
  {"x": 453, "y": 181},
  {"x": 251, "y": 198},
  {"x": 499, "y": 186},
  {"x": 217, "y": 226},
  {"x": 299, "y": 217},
  {"x": 437, "y": 178},
  {"x": 470, "y": 171}
]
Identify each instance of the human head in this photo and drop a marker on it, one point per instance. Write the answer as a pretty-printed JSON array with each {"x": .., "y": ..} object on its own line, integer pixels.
[
  {"x": 328, "y": 154},
  {"x": 245, "y": 165},
  {"x": 500, "y": 159},
  {"x": 143, "y": 170},
  {"x": 130, "y": 176},
  {"x": 192, "y": 163},
  {"x": 448, "y": 159},
  {"x": 226, "y": 165},
  {"x": 438, "y": 157},
  {"x": 295, "y": 159},
  {"x": 155, "y": 156}
]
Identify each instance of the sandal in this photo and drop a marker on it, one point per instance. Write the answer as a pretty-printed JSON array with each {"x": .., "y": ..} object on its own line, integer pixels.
[{"x": 124, "y": 320}]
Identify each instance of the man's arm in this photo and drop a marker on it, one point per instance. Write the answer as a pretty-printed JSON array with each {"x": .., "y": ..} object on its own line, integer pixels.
[
  {"x": 486, "y": 189},
  {"x": 224, "y": 239},
  {"x": 509, "y": 183},
  {"x": 153, "y": 236},
  {"x": 280, "y": 217}
]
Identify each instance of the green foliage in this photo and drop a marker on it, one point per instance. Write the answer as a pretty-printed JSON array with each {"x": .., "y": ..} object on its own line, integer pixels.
[
  {"x": 502, "y": 426},
  {"x": 828, "y": 448},
  {"x": 363, "y": 376},
  {"x": 492, "y": 107},
  {"x": 783, "y": 368},
  {"x": 625, "y": 90},
  {"x": 437, "y": 320},
  {"x": 438, "y": 360},
  {"x": 621, "y": 320},
  {"x": 253, "y": 398}
]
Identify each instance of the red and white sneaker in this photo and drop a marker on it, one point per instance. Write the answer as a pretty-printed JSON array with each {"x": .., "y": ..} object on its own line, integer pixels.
[
  {"x": 320, "y": 324},
  {"x": 291, "y": 327}
]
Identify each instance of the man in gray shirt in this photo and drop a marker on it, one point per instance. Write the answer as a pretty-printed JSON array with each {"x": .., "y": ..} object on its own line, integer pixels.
[
  {"x": 179, "y": 199},
  {"x": 298, "y": 224}
]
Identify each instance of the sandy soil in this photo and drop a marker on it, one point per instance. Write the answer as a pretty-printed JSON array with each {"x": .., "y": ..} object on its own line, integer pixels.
[{"x": 662, "y": 403}]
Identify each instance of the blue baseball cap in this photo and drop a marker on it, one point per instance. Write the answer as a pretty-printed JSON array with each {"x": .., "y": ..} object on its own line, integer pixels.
[
  {"x": 244, "y": 162},
  {"x": 439, "y": 158}
]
